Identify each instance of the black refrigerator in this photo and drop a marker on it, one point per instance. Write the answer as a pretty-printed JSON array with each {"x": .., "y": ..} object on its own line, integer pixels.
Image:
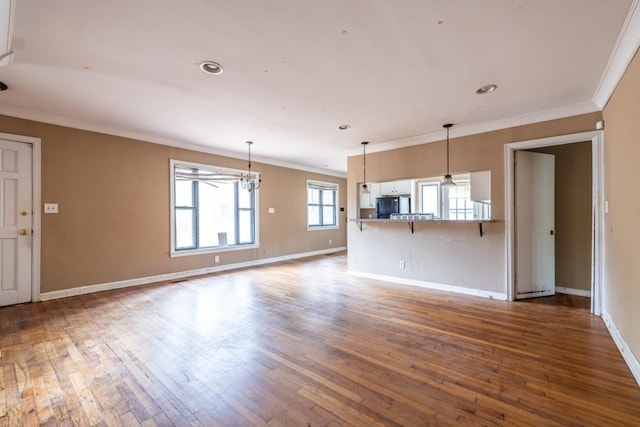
[{"x": 385, "y": 206}]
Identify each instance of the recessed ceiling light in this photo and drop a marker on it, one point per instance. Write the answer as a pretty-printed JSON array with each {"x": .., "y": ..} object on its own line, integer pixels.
[
  {"x": 486, "y": 89},
  {"x": 211, "y": 67},
  {"x": 344, "y": 127}
]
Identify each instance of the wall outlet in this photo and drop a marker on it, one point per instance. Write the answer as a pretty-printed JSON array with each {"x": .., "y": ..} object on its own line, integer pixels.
[
  {"x": 216, "y": 259},
  {"x": 402, "y": 265},
  {"x": 51, "y": 208},
  {"x": 330, "y": 241}
]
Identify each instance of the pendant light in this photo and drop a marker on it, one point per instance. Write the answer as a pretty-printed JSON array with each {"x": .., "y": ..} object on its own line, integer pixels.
[
  {"x": 250, "y": 182},
  {"x": 448, "y": 180},
  {"x": 365, "y": 187}
]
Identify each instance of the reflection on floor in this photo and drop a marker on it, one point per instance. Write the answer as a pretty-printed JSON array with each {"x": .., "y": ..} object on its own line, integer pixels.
[{"x": 563, "y": 300}]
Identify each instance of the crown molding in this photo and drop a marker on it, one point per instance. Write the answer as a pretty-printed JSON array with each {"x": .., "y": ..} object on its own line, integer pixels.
[
  {"x": 53, "y": 119},
  {"x": 461, "y": 130},
  {"x": 456, "y": 132},
  {"x": 621, "y": 55}
]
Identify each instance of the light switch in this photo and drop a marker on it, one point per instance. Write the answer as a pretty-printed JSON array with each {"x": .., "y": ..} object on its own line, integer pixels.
[{"x": 51, "y": 208}]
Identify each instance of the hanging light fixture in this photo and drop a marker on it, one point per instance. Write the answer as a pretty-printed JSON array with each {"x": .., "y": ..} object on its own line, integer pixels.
[
  {"x": 249, "y": 181},
  {"x": 365, "y": 187},
  {"x": 448, "y": 180}
]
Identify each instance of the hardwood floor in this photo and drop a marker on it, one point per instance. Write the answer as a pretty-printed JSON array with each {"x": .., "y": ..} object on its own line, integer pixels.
[
  {"x": 565, "y": 300},
  {"x": 305, "y": 344}
]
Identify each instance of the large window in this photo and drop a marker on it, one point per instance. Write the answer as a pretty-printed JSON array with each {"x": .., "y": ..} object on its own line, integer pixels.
[
  {"x": 210, "y": 210},
  {"x": 322, "y": 201}
]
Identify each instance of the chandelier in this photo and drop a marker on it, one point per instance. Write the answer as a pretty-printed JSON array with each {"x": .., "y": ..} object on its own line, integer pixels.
[{"x": 250, "y": 181}]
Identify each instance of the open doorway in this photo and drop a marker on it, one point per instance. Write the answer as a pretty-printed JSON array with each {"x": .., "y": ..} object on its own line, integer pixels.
[
  {"x": 579, "y": 255},
  {"x": 572, "y": 219}
]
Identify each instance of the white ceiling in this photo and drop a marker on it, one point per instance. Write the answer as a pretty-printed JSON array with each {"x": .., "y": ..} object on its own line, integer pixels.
[{"x": 294, "y": 70}]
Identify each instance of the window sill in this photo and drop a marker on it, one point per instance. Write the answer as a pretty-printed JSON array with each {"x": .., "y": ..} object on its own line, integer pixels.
[
  {"x": 320, "y": 228},
  {"x": 190, "y": 252}
]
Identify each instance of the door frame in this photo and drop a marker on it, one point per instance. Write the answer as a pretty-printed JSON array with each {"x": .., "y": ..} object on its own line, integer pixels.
[
  {"x": 597, "y": 211},
  {"x": 36, "y": 191}
]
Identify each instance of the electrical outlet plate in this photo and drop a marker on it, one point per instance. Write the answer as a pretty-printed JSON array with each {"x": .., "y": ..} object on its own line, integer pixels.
[
  {"x": 51, "y": 208},
  {"x": 402, "y": 264}
]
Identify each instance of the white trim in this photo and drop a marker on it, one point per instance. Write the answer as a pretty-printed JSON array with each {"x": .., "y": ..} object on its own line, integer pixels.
[
  {"x": 621, "y": 55},
  {"x": 200, "y": 251},
  {"x": 573, "y": 291},
  {"x": 432, "y": 285},
  {"x": 324, "y": 227},
  {"x": 36, "y": 182},
  {"x": 625, "y": 351},
  {"x": 598, "y": 200},
  {"x": 330, "y": 186},
  {"x": 461, "y": 130},
  {"x": 596, "y": 138},
  {"x": 54, "y": 119},
  {"x": 215, "y": 250},
  {"x": 81, "y": 290}
]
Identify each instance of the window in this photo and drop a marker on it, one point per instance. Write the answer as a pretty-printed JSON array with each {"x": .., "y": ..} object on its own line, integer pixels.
[
  {"x": 452, "y": 203},
  {"x": 458, "y": 204},
  {"x": 210, "y": 210},
  {"x": 322, "y": 201}
]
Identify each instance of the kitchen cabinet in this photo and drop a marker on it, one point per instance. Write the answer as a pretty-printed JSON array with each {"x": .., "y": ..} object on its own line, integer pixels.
[
  {"x": 368, "y": 201},
  {"x": 396, "y": 188},
  {"x": 481, "y": 186}
]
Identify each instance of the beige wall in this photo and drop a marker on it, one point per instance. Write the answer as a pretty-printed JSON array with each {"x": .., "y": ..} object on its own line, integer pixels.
[
  {"x": 114, "y": 220},
  {"x": 622, "y": 229},
  {"x": 450, "y": 254},
  {"x": 573, "y": 202}
]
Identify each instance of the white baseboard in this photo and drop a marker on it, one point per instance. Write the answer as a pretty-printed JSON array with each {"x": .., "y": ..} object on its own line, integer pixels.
[
  {"x": 46, "y": 296},
  {"x": 573, "y": 291},
  {"x": 432, "y": 285},
  {"x": 626, "y": 352}
]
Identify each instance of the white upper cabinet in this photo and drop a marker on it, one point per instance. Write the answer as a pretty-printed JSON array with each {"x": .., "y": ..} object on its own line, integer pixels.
[
  {"x": 404, "y": 187},
  {"x": 396, "y": 188},
  {"x": 387, "y": 188},
  {"x": 481, "y": 186}
]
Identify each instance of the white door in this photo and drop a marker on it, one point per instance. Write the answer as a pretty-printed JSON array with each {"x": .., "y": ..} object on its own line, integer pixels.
[
  {"x": 534, "y": 224},
  {"x": 15, "y": 222}
]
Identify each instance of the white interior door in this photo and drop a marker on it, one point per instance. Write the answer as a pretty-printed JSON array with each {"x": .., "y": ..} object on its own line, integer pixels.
[
  {"x": 16, "y": 214},
  {"x": 534, "y": 224}
]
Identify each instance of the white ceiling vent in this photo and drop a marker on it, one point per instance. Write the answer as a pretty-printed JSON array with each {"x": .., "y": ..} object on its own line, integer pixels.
[{"x": 7, "y": 8}]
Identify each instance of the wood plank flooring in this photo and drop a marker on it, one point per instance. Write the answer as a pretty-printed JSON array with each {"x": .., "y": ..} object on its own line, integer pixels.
[{"x": 305, "y": 344}]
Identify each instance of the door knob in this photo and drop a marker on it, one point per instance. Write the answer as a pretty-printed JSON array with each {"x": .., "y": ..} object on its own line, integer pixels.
[
  {"x": 552, "y": 232},
  {"x": 25, "y": 232},
  {"x": 24, "y": 213}
]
